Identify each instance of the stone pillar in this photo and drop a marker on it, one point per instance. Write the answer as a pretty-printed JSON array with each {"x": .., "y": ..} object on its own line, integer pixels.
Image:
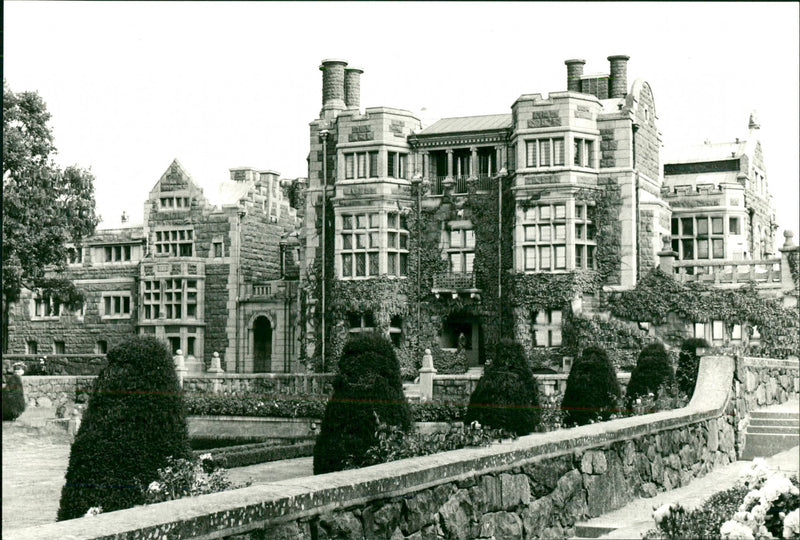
[
  {"x": 180, "y": 366},
  {"x": 216, "y": 369},
  {"x": 618, "y": 79},
  {"x": 787, "y": 281},
  {"x": 666, "y": 257},
  {"x": 426, "y": 375},
  {"x": 473, "y": 164},
  {"x": 574, "y": 74},
  {"x": 332, "y": 85},
  {"x": 426, "y": 164},
  {"x": 352, "y": 87},
  {"x": 449, "y": 162}
]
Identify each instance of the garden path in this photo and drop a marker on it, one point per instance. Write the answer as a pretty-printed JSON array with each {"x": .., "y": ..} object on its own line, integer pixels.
[
  {"x": 633, "y": 520},
  {"x": 35, "y": 460}
]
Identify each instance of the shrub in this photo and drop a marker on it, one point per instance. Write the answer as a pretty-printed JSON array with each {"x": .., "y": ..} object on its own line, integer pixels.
[
  {"x": 450, "y": 362},
  {"x": 252, "y": 454},
  {"x": 437, "y": 412},
  {"x": 134, "y": 421},
  {"x": 391, "y": 443},
  {"x": 653, "y": 371},
  {"x": 507, "y": 395},
  {"x": 367, "y": 388},
  {"x": 201, "y": 405},
  {"x": 688, "y": 364},
  {"x": 186, "y": 478},
  {"x": 13, "y": 396},
  {"x": 592, "y": 389}
]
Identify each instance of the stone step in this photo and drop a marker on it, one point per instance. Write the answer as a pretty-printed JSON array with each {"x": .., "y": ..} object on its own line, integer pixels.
[
  {"x": 583, "y": 530},
  {"x": 776, "y": 430},
  {"x": 768, "y": 444},
  {"x": 757, "y": 422},
  {"x": 775, "y": 415}
]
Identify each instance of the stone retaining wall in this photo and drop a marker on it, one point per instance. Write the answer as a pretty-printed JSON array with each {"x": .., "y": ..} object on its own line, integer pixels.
[
  {"x": 762, "y": 382},
  {"x": 53, "y": 390},
  {"x": 539, "y": 485}
]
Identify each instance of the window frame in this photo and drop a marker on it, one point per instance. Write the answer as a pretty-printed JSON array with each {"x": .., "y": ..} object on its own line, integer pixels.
[
  {"x": 109, "y": 300},
  {"x": 542, "y": 153},
  {"x": 546, "y": 324},
  {"x": 168, "y": 242}
]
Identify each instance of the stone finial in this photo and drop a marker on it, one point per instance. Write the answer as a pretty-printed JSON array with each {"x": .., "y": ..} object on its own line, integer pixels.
[
  {"x": 666, "y": 257},
  {"x": 179, "y": 359},
  {"x": 753, "y": 123},
  {"x": 124, "y": 217},
  {"x": 787, "y": 239},
  {"x": 427, "y": 359},
  {"x": 216, "y": 364}
]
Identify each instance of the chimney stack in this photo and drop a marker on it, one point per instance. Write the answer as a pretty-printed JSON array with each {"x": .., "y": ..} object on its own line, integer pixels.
[
  {"x": 352, "y": 87},
  {"x": 332, "y": 84},
  {"x": 574, "y": 74},
  {"x": 619, "y": 76}
]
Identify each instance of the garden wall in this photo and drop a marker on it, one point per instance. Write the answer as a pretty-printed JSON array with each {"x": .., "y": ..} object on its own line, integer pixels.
[
  {"x": 262, "y": 384},
  {"x": 457, "y": 389},
  {"x": 761, "y": 382},
  {"x": 54, "y": 390},
  {"x": 537, "y": 485}
]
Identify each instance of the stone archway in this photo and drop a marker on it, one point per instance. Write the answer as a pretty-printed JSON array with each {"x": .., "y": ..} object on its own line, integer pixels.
[{"x": 262, "y": 345}]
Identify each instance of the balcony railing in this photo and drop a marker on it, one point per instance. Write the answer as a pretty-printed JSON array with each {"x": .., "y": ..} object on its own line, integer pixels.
[
  {"x": 729, "y": 272},
  {"x": 454, "y": 281},
  {"x": 460, "y": 184}
]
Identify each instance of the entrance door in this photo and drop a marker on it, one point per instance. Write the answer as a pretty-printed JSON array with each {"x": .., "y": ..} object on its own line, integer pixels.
[{"x": 262, "y": 345}]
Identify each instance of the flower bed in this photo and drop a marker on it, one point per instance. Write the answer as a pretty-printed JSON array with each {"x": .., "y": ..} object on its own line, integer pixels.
[
  {"x": 289, "y": 407},
  {"x": 760, "y": 506}
]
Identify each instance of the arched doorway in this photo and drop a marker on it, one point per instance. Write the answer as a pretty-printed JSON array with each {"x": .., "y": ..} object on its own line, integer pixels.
[{"x": 262, "y": 345}]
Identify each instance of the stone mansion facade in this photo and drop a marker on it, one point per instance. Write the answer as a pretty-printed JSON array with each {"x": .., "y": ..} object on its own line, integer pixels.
[{"x": 441, "y": 236}]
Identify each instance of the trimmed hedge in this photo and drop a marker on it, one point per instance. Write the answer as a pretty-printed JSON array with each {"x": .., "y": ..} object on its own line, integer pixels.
[
  {"x": 437, "y": 412},
  {"x": 13, "y": 396},
  {"x": 688, "y": 365},
  {"x": 253, "y": 454},
  {"x": 204, "y": 405},
  {"x": 507, "y": 396},
  {"x": 134, "y": 421},
  {"x": 368, "y": 389},
  {"x": 653, "y": 370},
  {"x": 592, "y": 391}
]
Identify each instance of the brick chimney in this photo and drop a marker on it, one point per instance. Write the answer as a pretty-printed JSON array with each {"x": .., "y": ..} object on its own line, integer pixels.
[
  {"x": 333, "y": 84},
  {"x": 618, "y": 79},
  {"x": 352, "y": 87},
  {"x": 574, "y": 74}
]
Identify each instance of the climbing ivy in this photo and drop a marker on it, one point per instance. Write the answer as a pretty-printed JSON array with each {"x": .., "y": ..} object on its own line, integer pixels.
[{"x": 658, "y": 295}]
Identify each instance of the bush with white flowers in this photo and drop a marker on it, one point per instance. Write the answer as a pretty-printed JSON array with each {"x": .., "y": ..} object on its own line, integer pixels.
[
  {"x": 184, "y": 478},
  {"x": 763, "y": 505}
]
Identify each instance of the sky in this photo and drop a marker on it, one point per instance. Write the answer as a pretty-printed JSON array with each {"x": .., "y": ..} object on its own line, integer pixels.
[{"x": 217, "y": 85}]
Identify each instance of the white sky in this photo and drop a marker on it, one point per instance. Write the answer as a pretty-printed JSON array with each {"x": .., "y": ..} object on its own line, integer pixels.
[{"x": 131, "y": 86}]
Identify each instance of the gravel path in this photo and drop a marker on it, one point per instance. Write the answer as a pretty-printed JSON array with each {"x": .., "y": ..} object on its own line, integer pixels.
[{"x": 35, "y": 461}]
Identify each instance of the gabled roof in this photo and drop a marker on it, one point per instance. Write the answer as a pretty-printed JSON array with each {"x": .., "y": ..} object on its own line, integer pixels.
[{"x": 465, "y": 124}]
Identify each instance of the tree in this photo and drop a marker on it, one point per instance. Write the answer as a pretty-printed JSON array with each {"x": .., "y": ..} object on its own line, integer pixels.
[
  {"x": 367, "y": 389},
  {"x": 135, "y": 420},
  {"x": 592, "y": 389},
  {"x": 652, "y": 372},
  {"x": 507, "y": 395},
  {"x": 44, "y": 207}
]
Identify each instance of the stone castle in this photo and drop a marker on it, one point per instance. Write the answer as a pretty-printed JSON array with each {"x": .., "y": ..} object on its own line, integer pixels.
[{"x": 444, "y": 237}]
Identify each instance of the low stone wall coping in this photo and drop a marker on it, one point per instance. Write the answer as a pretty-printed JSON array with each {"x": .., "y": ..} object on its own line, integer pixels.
[
  {"x": 241, "y": 510},
  {"x": 772, "y": 362}
]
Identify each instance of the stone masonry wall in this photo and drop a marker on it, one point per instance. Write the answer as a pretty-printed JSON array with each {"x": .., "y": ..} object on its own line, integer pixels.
[
  {"x": 79, "y": 334},
  {"x": 54, "y": 391},
  {"x": 537, "y": 486},
  {"x": 763, "y": 382}
]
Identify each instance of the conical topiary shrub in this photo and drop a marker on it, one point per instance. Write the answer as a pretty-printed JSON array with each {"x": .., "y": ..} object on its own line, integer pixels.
[
  {"x": 507, "y": 396},
  {"x": 367, "y": 388},
  {"x": 134, "y": 420},
  {"x": 592, "y": 391},
  {"x": 653, "y": 370},
  {"x": 13, "y": 396},
  {"x": 688, "y": 364}
]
